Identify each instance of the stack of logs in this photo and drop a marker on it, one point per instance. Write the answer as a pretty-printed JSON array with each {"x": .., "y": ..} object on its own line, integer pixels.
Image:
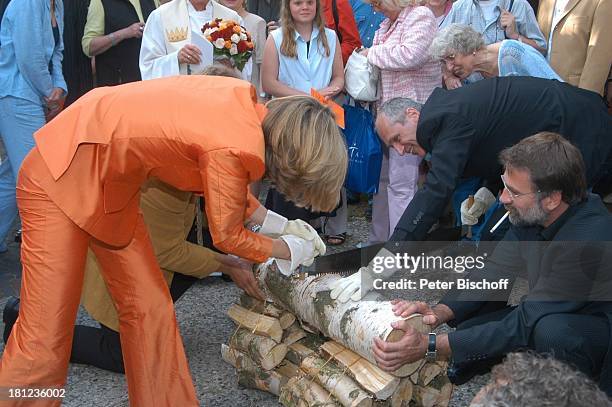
[{"x": 323, "y": 358}]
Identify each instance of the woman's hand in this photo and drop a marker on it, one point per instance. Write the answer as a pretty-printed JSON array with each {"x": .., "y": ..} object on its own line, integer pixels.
[
  {"x": 189, "y": 54},
  {"x": 452, "y": 82},
  {"x": 329, "y": 92}
]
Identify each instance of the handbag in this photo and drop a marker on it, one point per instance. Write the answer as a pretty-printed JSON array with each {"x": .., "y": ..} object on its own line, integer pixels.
[
  {"x": 364, "y": 150},
  {"x": 361, "y": 78}
]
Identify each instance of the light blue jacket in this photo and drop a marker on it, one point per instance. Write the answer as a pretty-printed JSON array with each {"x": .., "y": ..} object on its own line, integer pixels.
[
  {"x": 27, "y": 48},
  {"x": 518, "y": 59}
]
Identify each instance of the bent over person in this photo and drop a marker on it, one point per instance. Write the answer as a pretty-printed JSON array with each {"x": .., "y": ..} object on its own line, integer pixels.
[{"x": 80, "y": 188}]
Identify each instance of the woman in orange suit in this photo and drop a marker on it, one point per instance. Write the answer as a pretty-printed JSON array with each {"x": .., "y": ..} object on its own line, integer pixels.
[{"x": 80, "y": 187}]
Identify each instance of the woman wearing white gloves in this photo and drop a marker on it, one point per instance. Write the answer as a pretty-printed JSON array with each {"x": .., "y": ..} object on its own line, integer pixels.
[{"x": 302, "y": 239}]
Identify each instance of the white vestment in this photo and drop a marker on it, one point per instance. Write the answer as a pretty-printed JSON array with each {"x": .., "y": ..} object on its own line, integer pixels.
[{"x": 169, "y": 28}]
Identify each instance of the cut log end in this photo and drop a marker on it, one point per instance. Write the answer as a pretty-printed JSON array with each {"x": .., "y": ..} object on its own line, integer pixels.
[
  {"x": 378, "y": 382},
  {"x": 301, "y": 392},
  {"x": 257, "y": 323},
  {"x": 264, "y": 351},
  {"x": 333, "y": 379}
]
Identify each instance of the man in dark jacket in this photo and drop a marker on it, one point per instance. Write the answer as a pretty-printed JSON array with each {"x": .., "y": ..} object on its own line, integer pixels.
[
  {"x": 464, "y": 131},
  {"x": 561, "y": 238}
]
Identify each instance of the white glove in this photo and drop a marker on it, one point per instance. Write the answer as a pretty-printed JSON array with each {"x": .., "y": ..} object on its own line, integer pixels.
[
  {"x": 351, "y": 287},
  {"x": 483, "y": 199},
  {"x": 302, "y": 252},
  {"x": 347, "y": 288},
  {"x": 275, "y": 225},
  {"x": 304, "y": 230}
]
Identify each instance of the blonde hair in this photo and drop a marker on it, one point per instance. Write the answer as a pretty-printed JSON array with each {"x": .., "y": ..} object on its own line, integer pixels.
[
  {"x": 306, "y": 157},
  {"x": 218, "y": 69},
  {"x": 288, "y": 45}
]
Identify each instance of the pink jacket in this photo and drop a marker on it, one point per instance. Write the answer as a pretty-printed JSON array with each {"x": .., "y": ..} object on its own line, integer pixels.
[{"x": 401, "y": 50}]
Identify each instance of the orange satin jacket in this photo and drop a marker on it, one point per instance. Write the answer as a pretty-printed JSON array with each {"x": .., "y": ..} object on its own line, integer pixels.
[{"x": 197, "y": 133}]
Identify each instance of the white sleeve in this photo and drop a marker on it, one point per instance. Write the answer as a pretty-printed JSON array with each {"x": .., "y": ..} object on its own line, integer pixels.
[{"x": 154, "y": 61}]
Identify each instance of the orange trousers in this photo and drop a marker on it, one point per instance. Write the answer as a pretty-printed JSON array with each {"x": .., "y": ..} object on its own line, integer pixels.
[{"x": 53, "y": 253}]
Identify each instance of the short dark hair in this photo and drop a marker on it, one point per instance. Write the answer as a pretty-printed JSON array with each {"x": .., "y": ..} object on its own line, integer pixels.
[
  {"x": 554, "y": 164},
  {"x": 526, "y": 379}
]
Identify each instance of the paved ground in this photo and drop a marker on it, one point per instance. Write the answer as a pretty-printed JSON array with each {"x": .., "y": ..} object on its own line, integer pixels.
[{"x": 204, "y": 326}]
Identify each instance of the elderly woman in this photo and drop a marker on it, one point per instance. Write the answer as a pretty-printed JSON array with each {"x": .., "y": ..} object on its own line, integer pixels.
[
  {"x": 463, "y": 51},
  {"x": 32, "y": 87},
  {"x": 79, "y": 188},
  {"x": 401, "y": 50}
]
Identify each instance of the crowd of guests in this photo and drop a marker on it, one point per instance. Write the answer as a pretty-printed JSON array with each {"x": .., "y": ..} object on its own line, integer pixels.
[{"x": 52, "y": 53}]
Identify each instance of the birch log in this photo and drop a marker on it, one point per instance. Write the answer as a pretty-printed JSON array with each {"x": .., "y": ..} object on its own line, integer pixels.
[
  {"x": 293, "y": 334},
  {"x": 353, "y": 324},
  {"x": 378, "y": 382},
  {"x": 298, "y": 351},
  {"x": 267, "y": 353},
  {"x": 299, "y": 392},
  {"x": 262, "y": 307},
  {"x": 333, "y": 379},
  {"x": 403, "y": 394},
  {"x": 252, "y": 376},
  {"x": 437, "y": 393},
  {"x": 258, "y": 323}
]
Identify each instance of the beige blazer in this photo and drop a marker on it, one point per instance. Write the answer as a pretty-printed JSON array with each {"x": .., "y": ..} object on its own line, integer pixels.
[{"x": 581, "y": 51}]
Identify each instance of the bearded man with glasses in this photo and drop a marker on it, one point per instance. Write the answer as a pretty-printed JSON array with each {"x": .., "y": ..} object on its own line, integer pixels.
[{"x": 561, "y": 242}]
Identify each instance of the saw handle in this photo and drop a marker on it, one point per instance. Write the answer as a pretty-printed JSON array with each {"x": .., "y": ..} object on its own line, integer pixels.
[{"x": 469, "y": 205}]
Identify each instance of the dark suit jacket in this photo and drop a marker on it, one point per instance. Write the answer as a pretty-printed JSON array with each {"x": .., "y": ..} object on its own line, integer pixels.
[
  {"x": 465, "y": 129},
  {"x": 569, "y": 269}
]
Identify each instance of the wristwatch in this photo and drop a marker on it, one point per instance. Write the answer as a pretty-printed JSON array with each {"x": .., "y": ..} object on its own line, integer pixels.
[{"x": 432, "y": 352}]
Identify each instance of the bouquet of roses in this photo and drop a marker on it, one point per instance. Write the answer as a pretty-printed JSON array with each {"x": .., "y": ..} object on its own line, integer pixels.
[{"x": 229, "y": 40}]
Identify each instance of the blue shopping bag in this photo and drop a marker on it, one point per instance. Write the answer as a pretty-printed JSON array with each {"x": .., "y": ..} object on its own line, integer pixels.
[{"x": 364, "y": 150}]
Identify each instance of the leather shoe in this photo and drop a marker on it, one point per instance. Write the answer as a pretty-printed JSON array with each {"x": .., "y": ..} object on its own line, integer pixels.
[{"x": 9, "y": 316}]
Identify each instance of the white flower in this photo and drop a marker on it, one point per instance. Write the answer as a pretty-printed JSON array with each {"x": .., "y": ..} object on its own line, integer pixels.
[
  {"x": 235, "y": 38},
  {"x": 243, "y": 36},
  {"x": 209, "y": 31},
  {"x": 233, "y": 49},
  {"x": 219, "y": 43}
]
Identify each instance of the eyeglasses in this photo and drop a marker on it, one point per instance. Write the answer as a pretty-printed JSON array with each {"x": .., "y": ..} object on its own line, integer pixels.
[{"x": 513, "y": 195}]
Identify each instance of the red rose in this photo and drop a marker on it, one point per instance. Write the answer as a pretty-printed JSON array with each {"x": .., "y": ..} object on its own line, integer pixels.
[
  {"x": 227, "y": 33},
  {"x": 242, "y": 47}
]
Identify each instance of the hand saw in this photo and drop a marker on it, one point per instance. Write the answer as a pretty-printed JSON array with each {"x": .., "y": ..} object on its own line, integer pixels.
[{"x": 343, "y": 263}]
